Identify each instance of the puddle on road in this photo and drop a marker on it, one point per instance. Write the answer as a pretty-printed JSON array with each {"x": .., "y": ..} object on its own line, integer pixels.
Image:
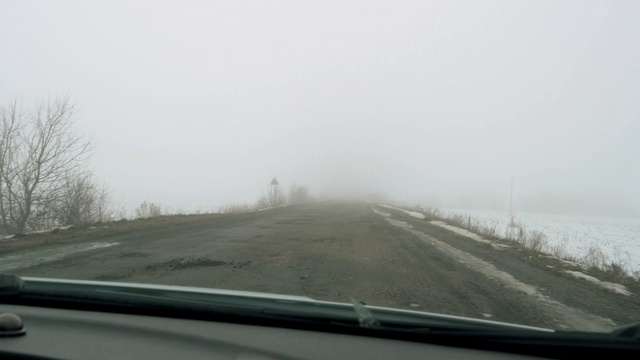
[{"x": 32, "y": 258}]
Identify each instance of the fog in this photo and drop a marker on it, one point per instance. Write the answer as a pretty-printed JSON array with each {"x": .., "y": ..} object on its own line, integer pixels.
[{"x": 195, "y": 105}]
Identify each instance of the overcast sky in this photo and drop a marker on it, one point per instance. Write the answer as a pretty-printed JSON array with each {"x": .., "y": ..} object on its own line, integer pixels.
[{"x": 199, "y": 104}]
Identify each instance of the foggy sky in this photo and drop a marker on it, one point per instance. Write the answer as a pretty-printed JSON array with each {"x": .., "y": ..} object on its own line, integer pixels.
[{"x": 199, "y": 104}]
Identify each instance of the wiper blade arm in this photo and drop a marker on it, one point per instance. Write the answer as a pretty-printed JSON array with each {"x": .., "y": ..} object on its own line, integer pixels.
[
  {"x": 10, "y": 284},
  {"x": 365, "y": 318},
  {"x": 629, "y": 331}
]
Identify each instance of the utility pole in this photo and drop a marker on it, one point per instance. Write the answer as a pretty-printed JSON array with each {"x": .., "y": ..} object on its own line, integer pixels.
[
  {"x": 274, "y": 192},
  {"x": 511, "y": 221}
]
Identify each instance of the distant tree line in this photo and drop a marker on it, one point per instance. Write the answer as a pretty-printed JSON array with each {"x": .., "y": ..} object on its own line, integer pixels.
[
  {"x": 274, "y": 197},
  {"x": 44, "y": 178},
  {"x": 277, "y": 197}
]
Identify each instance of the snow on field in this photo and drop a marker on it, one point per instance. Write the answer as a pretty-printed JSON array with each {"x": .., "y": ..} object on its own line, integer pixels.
[{"x": 617, "y": 238}]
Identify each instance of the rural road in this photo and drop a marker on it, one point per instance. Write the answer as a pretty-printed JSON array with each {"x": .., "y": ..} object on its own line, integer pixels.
[{"x": 340, "y": 251}]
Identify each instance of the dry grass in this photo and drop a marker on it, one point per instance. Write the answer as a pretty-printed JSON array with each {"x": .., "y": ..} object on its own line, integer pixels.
[
  {"x": 594, "y": 258},
  {"x": 236, "y": 208}
]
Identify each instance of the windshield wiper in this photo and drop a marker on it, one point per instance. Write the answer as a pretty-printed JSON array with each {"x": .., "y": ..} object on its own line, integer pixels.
[
  {"x": 365, "y": 318},
  {"x": 10, "y": 284},
  {"x": 308, "y": 314},
  {"x": 167, "y": 302},
  {"x": 629, "y": 331},
  {"x": 158, "y": 300},
  {"x": 178, "y": 302}
]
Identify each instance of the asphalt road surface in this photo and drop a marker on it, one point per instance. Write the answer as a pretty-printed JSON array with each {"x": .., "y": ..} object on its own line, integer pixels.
[{"x": 339, "y": 252}]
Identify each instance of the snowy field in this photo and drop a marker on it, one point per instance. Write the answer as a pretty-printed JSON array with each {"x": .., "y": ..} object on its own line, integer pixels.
[{"x": 617, "y": 238}]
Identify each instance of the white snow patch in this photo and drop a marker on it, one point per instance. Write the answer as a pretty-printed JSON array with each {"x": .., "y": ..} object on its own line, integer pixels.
[
  {"x": 32, "y": 258},
  {"x": 415, "y": 214},
  {"x": 49, "y": 230},
  {"x": 462, "y": 232},
  {"x": 380, "y": 212},
  {"x": 10, "y": 237},
  {"x": 567, "y": 262},
  {"x": 617, "y": 288}
]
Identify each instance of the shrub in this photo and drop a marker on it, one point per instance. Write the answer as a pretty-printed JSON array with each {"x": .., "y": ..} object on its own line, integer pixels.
[{"x": 148, "y": 210}]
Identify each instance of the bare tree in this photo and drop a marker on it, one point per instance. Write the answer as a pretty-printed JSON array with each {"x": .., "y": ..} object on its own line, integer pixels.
[
  {"x": 273, "y": 198},
  {"x": 262, "y": 203},
  {"x": 37, "y": 152},
  {"x": 83, "y": 201},
  {"x": 299, "y": 195},
  {"x": 148, "y": 210},
  {"x": 103, "y": 208},
  {"x": 9, "y": 132},
  {"x": 276, "y": 197}
]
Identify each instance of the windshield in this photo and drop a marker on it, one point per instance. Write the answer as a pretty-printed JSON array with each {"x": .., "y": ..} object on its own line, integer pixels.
[{"x": 468, "y": 158}]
